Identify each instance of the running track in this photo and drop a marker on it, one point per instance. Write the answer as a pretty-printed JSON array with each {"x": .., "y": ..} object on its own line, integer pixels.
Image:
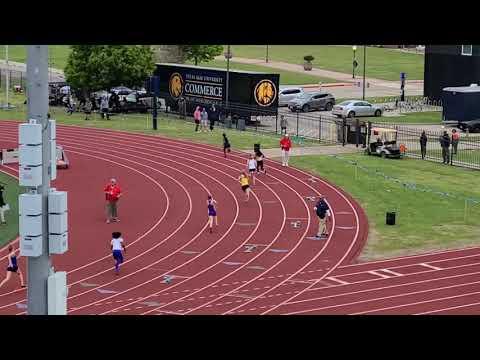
[{"x": 163, "y": 219}]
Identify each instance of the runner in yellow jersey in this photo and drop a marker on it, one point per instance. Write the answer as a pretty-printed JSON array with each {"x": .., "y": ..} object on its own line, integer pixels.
[{"x": 245, "y": 183}]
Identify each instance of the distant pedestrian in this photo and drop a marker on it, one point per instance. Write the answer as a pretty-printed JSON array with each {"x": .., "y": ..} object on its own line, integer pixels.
[
  {"x": 259, "y": 157},
  {"x": 245, "y": 184},
  {"x": 445, "y": 144},
  {"x": 213, "y": 116},
  {"x": 87, "y": 109},
  {"x": 283, "y": 124},
  {"x": 252, "y": 167},
  {"x": 13, "y": 267},
  {"x": 204, "y": 120},
  {"x": 286, "y": 145},
  {"x": 3, "y": 205},
  {"x": 323, "y": 213},
  {"x": 112, "y": 195},
  {"x": 226, "y": 145},
  {"x": 196, "y": 117},
  {"x": 455, "y": 140},
  {"x": 212, "y": 212},
  {"x": 423, "y": 144},
  {"x": 104, "y": 108},
  {"x": 117, "y": 245}
]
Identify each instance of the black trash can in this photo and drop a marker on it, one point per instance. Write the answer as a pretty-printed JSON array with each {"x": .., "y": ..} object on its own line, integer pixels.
[
  {"x": 256, "y": 147},
  {"x": 391, "y": 218}
]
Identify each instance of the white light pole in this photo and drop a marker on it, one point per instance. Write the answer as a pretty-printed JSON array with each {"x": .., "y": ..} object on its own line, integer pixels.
[{"x": 7, "y": 82}]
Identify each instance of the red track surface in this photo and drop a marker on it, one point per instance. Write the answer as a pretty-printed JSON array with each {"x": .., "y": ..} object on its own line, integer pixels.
[{"x": 163, "y": 219}]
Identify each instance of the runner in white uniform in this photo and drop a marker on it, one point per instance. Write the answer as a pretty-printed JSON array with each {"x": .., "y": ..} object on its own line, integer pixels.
[
  {"x": 252, "y": 168},
  {"x": 117, "y": 245}
]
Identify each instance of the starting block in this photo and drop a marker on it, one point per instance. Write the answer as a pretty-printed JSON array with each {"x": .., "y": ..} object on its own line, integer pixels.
[
  {"x": 167, "y": 279},
  {"x": 249, "y": 248},
  {"x": 9, "y": 156},
  {"x": 295, "y": 224},
  {"x": 310, "y": 198},
  {"x": 62, "y": 159}
]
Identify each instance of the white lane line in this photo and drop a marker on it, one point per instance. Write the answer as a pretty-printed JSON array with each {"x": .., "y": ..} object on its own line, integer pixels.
[
  {"x": 391, "y": 272},
  {"x": 431, "y": 266},
  {"x": 331, "y": 278},
  {"x": 379, "y": 274}
]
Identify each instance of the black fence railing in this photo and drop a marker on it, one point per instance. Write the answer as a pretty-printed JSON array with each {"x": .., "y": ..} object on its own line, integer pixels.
[
  {"x": 16, "y": 79},
  {"x": 463, "y": 152}
]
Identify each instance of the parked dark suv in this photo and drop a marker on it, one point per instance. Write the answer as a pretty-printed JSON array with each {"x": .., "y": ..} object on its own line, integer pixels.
[
  {"x": 472, "y": 125},
  {"x": 312, "y": 101}
]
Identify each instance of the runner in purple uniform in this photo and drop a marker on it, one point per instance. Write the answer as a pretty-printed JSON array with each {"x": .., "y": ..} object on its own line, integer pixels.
[{"x": 212, "y": 212}]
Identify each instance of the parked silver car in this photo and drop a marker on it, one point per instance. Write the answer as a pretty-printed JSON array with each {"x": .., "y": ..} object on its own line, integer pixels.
[
  {"x": 312, "y": 101},
  {"x": 351, "y": 108},
  {"x": 288, "y": 94}
]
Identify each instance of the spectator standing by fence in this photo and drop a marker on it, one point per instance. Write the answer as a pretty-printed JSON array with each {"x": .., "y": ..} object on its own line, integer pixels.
[
  {"x": 423, "y": 144},
  {"x": 196, "y": 117},
  {"x": 213, "y": 116},
  {"x": 104, "y": 108},
  {"x": 285, "y": 145},
  {"x": 455, "y": 140},
  {"x": 3, "y": 205},
  {"x": 445, "y": 144},
  {"x": 283, "y": 124},
  {"x": 204, "y": 120}
]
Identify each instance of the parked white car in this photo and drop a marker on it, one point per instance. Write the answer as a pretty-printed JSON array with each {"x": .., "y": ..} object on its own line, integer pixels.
[
  {"x": 352, "y": 108},
  {"x": 288, "y": 94}
]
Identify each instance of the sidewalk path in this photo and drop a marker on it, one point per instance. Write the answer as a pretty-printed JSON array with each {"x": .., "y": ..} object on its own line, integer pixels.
[
  {"x": 53, "y": 74},
  {"x": 341, "y": 77}
]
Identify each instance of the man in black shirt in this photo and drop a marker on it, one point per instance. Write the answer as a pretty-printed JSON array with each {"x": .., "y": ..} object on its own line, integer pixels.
[
  {"x": 445, "y": 144},
  {"x": 323, "y": 212}
]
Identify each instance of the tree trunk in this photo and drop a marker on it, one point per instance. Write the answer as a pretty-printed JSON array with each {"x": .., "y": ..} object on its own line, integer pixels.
[{"x": 196, "y": 61}]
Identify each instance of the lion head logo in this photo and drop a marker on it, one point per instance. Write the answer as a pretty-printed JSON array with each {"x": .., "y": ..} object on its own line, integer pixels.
[
  {"x": 176, "y": 85},
  {"x": 265, "y": 93}
]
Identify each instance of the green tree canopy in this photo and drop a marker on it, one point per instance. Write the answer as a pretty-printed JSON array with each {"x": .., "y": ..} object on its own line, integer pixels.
[
  {"x": 201, "y": 53},
  {"x": 100, "y": 67}
]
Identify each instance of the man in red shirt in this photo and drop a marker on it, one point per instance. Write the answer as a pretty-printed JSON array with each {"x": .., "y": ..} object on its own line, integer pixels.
[
  {"x": 286, "y": 145},
  {"x": 112, "y": 194}
]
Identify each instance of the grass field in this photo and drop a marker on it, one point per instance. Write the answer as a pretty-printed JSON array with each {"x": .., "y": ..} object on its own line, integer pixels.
[
  {"x": 57, "y": 54},
  {"x": 10, "y": 231},
  {"x": 286, "y": 77},
  {"x": 425, "y": 221},
  {"x": 381, "y": 63},
  {"x": 427, "y": 117}
]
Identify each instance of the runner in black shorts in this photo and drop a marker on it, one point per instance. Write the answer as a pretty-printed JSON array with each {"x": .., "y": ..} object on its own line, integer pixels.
[
  {"x": 226, "y": 145},
  {"x": 260, "y": 157}
]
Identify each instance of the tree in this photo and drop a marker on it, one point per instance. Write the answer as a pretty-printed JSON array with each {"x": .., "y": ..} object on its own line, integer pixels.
[
  {"x": 99, "y": 67},
  {"x": 201, "y": 53}
]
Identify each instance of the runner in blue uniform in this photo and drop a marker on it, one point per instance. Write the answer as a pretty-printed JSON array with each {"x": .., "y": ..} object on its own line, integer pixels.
[
  {"x": 12, "y": 267},
  {"x": 212, "y": 212}
]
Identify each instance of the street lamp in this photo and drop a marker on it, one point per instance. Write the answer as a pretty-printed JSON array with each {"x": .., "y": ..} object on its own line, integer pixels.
[
  {"x": 266, "y": 55},
  {"x": 228, "y": 56},
  {"x": 364, "y": 62},
  {"x": 354, "y": 63}
]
